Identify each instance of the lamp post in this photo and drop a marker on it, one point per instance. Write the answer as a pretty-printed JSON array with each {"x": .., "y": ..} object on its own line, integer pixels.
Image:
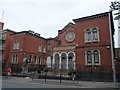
[
  {"x": 61, "y": 72},
  {"x": 115, "y": 6},
  {"x": 46, "y": 70}
]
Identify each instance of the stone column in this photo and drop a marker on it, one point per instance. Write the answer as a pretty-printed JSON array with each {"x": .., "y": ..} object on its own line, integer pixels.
[
  {"x": 53, "y": 61},
  {"x": 59, "y": 61},
  {"x": 74, "y": 62},
  {"x": 67, "y": 62}
]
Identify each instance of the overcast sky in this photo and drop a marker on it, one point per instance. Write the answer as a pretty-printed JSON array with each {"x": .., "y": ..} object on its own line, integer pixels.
[{"x": 48, "y": 16}]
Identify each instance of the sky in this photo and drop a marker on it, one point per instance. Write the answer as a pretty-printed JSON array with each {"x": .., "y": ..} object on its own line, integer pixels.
[{"x": 46, "y": 17}]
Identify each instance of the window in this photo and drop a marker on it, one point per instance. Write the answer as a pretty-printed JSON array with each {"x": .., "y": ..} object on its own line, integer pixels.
[
  {"x": 93, "y": 57},
  {"x": 16, "y": 44},
  {"x": 15, "y": 58},
  {"x": 35, "y": 60},
  {"x": 44, "y": 50},
  {"x": 70, "y": 63},
  {"x": 40, "y": 48},
  {"x": 49, "y": 48},
  {"x": 89, "y": 57},
  {"x": 92, "y": 35},
  {"x": 48, "y": 63},
  {"x": 3, "y": 36},
  {"x": 96, "y": 57},
  {"x": 88, "y": 35},
  {"x": 95, "y": 34}
]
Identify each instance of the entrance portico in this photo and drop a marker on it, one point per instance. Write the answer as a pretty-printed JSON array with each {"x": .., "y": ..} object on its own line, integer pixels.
[{"x": 64, "y": 60}]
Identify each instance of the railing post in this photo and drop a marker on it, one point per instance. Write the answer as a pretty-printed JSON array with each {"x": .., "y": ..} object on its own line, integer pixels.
[
  {"x": 60, "y": 78},
  {"x": 45, "y": 76}
]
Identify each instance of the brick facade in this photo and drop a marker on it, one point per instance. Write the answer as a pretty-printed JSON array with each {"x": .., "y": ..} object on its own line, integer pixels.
[
  {"x": 68, "y": 48},
  {"x": 1, "y": 25},
  {"x": 1, "y": 29}
]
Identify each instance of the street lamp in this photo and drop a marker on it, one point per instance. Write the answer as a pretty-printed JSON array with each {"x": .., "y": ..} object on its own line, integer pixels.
[
  {"x": 46, "y": 70},
  {"x": 116, "y": 6}
]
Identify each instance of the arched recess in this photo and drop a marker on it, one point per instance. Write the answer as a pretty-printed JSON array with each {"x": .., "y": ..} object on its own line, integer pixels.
[
  {"x": 56, "y": 60},
  {"x": 63, "y": 60},
  {"x": 71, "y": 60}
]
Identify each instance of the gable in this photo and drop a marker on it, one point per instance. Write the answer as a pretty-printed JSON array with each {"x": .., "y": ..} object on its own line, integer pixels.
[{"x": 70, "y": 26}]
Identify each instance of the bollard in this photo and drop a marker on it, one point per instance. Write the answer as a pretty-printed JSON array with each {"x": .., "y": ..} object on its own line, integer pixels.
[
  {"x": 32, "y": 75},
  {"x": 45, "y": 76},
  {"x": 60, "y": 78}
]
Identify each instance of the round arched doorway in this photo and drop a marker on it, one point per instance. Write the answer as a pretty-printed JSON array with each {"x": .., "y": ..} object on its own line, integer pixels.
[
  {"x": 64, "y": 61},
  {"x": 56, "y": 61},
  {"x": 71, "y": 61}
]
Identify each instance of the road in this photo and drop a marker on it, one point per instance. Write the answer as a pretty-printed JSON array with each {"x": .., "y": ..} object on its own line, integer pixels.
[
  {"x": 30, "y": 84},
  {"x": 16, "y": 82}
]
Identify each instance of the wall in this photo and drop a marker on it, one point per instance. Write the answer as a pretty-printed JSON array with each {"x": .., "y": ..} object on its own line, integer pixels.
[
  {"x": 103, "y": 45},
  {"x": 1, "y": 25},
  {"x": 8, "y": 45}
]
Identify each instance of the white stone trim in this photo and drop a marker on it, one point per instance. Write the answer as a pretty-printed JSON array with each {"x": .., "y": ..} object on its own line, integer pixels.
[
  {"x": 60, "y": 58},
  {"x": 60, "y": 61}
]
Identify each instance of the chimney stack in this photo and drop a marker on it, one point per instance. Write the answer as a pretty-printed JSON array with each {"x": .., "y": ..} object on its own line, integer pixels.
[{"x": 1, "y": 25}]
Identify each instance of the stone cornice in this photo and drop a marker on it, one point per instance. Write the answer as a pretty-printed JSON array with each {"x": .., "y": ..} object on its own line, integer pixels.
[{"x": 64, "y": 48}]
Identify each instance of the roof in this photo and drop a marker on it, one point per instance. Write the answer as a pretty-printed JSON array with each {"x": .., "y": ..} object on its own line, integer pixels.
[
  {"x": 32, "y": 33},
  {"x": 9, "y": 30},
  {"x": 91, "y": 17},
  {"x": 53, "y": 39}
]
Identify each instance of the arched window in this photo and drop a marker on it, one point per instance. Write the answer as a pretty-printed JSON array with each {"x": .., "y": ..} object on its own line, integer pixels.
[
  {"x": 44, "y": 49},
  {"x": 40, "y": 48},
  {"x": 93, "y": 57},
  {"x": 92, "y": 35},
  {"x": 89, "y": 57},
  {"x": 35, "y": 60},
  {"x": 56, "y": 58},
  {"x": 88, "y": 35},
  {"x": 95, "y": 34},
  {"x": 16, "y": 44},
  {"x": 63, "y": 61},
  {"x": 71, "y": 57},
  {"x": 96, "y": 56},
  {"x": 15, "y": 58},
  {"x": 49, "y": 48}
]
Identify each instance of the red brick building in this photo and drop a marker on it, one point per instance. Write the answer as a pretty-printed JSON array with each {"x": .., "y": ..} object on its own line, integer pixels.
[
  {"x": 83, "y": 47},
  {"x": 117, "y": 63},
  {"x": 86, "y": 46},
  {"x": 117, "y": 54},
  {"x": 1, "y": 25},
  {"x": 1, "y": 39}
]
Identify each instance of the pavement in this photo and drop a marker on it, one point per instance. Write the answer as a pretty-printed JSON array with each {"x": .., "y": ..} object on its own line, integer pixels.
[{"x": 85, "y": 84}]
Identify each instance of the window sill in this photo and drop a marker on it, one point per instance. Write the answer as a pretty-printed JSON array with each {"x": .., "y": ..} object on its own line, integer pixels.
[
  {"x": 89, "y": 42},
  {"x": 96, "y": 41},
  {"x": 93, "y": 64}
]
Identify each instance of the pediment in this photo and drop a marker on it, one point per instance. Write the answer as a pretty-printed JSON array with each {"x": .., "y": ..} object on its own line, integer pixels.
[{"x": 69, "y": 27}]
